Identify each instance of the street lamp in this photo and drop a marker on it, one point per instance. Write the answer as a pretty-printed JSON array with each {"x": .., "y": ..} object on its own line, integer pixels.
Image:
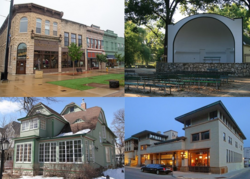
[{"x": 4, "y": 145}]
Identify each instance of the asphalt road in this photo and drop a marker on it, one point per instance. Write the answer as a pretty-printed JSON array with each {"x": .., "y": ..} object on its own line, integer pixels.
[
  {"x": 135, "y": 173},
  {"x": 243, "y": 175}
]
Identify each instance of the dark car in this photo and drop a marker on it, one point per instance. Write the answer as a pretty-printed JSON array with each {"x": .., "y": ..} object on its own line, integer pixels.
[{"x": 156, "y": 168}]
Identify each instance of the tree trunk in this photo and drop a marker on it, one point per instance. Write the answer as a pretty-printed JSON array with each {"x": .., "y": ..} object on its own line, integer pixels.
[
  {"x": 166, "y": 40},
  {"x": 73, "y": 68}
]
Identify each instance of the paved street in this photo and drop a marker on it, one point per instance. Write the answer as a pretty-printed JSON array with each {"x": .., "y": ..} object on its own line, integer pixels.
[{"x": 135, "y": 173}]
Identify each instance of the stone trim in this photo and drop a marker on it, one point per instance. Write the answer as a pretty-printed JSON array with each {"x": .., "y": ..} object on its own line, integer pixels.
[{"x": 237, "y": 69}]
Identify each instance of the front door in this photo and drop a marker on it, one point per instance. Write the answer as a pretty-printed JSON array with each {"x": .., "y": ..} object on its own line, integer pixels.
[{"x": 21, "y": 67}]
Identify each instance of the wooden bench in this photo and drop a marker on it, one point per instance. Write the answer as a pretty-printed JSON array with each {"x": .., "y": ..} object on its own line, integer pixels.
[
  {"x": 211, "y": 59},
  {"x": 133, "y": 78},
  {"x": 216, "y": 82},
  {"x": 130, "y": 72}
]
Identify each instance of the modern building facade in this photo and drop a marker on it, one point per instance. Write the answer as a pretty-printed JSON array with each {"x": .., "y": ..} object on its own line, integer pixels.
[
  {"x": 247, "y": 156},
  {"x": 77, "y": 135},
  {"x": 213, "y": 142},
  {"x": 40, "y": 38}
]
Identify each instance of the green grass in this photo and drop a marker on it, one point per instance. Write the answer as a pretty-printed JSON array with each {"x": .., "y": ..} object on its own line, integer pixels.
[{"x": 79, "y": 84}]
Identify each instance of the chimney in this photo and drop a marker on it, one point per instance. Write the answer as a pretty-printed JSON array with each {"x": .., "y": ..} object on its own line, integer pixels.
[
  {"x": 83, "y": 104},
  {"x": 159, "y": 132}
]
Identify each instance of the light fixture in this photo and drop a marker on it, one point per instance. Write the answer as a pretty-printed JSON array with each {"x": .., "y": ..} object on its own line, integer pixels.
[
  {"x": 200, "y": 157},
  {"x": 27, "y": 57}
]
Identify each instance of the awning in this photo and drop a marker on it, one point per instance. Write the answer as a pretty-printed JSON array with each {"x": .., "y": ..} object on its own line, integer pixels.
[{"x": 111, "y": 57}]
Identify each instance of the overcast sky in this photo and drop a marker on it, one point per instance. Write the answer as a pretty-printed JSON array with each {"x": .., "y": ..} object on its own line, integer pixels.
[
  {"x": 11, "y": 110},
  {"x": 108, "y": 14},
  {"x": 158, "y": 114}
]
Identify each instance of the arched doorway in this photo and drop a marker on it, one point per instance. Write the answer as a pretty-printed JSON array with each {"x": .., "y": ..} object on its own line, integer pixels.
[
  {"x": 21, "y": 59},
  {"x": 204, "y": 40}
]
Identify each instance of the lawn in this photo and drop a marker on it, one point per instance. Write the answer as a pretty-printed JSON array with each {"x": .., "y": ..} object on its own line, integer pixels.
[{"x": 79, "y": 84}]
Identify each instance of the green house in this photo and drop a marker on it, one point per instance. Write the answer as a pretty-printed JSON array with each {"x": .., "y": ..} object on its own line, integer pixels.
[{"x": 75, "y": 136}]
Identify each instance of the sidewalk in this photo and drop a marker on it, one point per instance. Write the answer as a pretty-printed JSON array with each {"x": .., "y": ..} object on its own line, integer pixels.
[{"x": 28, "y": 86}]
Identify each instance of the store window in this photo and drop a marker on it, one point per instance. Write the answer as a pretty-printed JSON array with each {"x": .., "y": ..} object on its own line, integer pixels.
[
  {"x": 23, "y": 25},
  {"x": 38, "y": 26},
  {"x": 45, "y": 59},
  {"x": 47, "y": 27},
  {"x": 55, "y": 28},
  {"x": 79, "y": 40},
  {"x": 21, "y": 51},
  {"x": 166, "y": 159},
  {"x": 73, "y": 38},
  {"x": 199, "y": 158},
  {"x": 66, "y": 39},
  {"x": 195, "y": 137}
]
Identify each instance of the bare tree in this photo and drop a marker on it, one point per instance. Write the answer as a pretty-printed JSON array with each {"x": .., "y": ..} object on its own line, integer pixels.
[{"x": 118, "y": 127}]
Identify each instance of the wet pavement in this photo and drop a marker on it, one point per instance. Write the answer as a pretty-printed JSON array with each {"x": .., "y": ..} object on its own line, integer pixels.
[{"x": 28, "y": 86}]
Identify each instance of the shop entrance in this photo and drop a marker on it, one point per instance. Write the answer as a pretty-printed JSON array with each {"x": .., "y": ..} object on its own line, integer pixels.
[
  {"x": 21, "y": 67},
  {"x": 199, "y": 160}
]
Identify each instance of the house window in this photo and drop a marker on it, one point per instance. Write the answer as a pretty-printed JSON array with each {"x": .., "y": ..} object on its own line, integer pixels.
[
  {"x": 47, "y": 26},
  {"x": 205, "y": 135},
  {"x": 71, "y": 109},
  {"x": 236, "y": 144},
  {"x": 33, "y": 123},
  {"x": 23, "y": 24},
  {"x": 73, "y": 38},
  {"x": 23, "y": 153},
  {"x": 66, "y": 39},
  {"x": 25, "y": 125},
  {"x": 47, "y": 152},
  {"x": 79, "y": 40},
  {"x": 195, "y": 137},
  {"x": 38, "y": 25},
  {"x": 100, "y": 137},
  {"x": 43, "y": 124},
  {"x": 213, "y": 115},
  {"x": 66, "y": 152},
  {"x": 224, "y": 136},
  {"x": 87, "y": 150},
  {"x": 55, "y": 28},
  {"x": 143, "y": 147},
  {"x": 104, "y": 132},
  {"x": 107, "y": 154},
  {"x": 229, "y": 140}
]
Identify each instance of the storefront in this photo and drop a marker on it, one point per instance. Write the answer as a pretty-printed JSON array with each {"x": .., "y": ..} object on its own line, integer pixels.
[
  {"x": 67, "y": 63},
  {"x": 111, "y": 61},
  {"x": 92, "y": 61},
  {"x": 21, "y": 58},
  {"x": 46, "y": 56},
  {"x": 199, "y": 160}
]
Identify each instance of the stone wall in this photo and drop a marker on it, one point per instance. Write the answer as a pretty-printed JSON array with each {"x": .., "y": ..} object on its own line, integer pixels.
[{"x": 237, "y": 69}]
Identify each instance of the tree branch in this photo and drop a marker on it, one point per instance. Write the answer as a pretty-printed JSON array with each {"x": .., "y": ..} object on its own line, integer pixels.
[{"x": 152, "y": 30}]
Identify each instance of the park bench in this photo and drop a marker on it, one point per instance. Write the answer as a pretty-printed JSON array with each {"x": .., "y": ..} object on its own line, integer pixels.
[
  {"x": 130, "y": 72},
  {"x": 128, "y": 80},
  {"x": 199, "y": 82},
  {"x": 212, "y": 59}
]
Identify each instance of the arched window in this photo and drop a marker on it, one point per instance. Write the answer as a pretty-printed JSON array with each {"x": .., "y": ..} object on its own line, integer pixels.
[
  {"x": 24, "y": 24},
  {"x": 21, "y": 51},
  {"x": 47, "y": 24},
  {"x": 55, "y": 28},
  {"x": 38, "y": 25}
]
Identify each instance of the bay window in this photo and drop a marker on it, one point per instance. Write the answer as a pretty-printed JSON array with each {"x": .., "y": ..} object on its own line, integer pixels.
[
  {"x": 70, "y": 151},
  {"x": 23, "y": 153},
  {"x": 47, "y": 152}
]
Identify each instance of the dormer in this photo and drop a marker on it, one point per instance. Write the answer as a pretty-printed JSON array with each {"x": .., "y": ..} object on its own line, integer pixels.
[{"x": 72, "y": 107}]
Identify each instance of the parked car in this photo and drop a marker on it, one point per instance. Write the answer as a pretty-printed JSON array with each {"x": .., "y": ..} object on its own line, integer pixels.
[{"x": 156, "y": 168}]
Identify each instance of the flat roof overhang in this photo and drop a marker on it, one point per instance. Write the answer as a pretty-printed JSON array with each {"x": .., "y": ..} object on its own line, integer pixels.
[
  {"x": 218, "y": 105},
  {"x": 145, "y": 132}
]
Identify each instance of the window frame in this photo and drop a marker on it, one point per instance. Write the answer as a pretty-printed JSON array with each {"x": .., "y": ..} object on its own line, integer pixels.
[
  {"x": 44, "y": 151},
  {"x": 104, "y": 132},
  {"x": 198, "y": 137},
  {"x": 65, "y": 150},
  {"x": 202, "y": 135},
  {"x": 47, "y": 25},
  {"x": 79, "y": 40},
  {"x": 55, "y": 26},
  {"x": 66, "y": 41},
  {"x": 71, "y": 39},
  {"x": 23, "y": 22},
  {"x": 224, "y": 137},
  {"x": 23, "y": 144},
  {"x": 107, "y": 154},
  {"x": 213, "y": 115},
  {"x": 37, "y": 25}
]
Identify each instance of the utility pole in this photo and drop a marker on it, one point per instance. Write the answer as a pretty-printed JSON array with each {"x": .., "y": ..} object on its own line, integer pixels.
[{"x": 5, "y": 74}]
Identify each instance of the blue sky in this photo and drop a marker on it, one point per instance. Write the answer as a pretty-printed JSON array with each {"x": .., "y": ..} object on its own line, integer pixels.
[
  {"x": 158, "y": 114},
  {"x": 109, "y": 105}
]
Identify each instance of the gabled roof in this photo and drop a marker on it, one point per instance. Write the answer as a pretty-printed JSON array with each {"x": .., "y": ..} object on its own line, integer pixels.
[
  {"x": 206, "y": 108},
  {"x": 90, "y": 118},
  {"x": 69, "y": 105}
]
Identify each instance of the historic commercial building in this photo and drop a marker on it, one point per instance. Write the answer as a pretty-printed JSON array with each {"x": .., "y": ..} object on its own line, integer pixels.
[
  {"x": 77, "y": 135},
  {"x": 213, "y": 142},
  {"x": 40, "y": 38}
]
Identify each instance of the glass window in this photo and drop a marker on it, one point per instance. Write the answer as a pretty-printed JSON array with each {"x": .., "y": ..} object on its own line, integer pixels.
[
  {"x": 104, "y": 132},
  {"x": 25, "y": 125},
  {"x": 77, "y": 151},
  {"x": 236, "y": 144},
  {"x": 79, "y": 40},
  {"x": 17, "y": 153},
  {"x": 61, "y": 151},
  {"x": 55, "y": 28},
  {"x": 102, "y": 45},
  {"x": 38, "y": 25},
  {"x": 71, "y": 109},
  {"x": 213, "y": 115},
  {"x": 66, "y": 39},
  {"x": 41, "y": 152},
  {"x": 73, "y": 38},
  {"x": 205, "y": 135},
  {"x": 187, "y": 123},
  {"x": 92, "y": 43},
  {"x": 224, "y": 136},
  {"x": 107, "y": 154},
  {"x": 69, "y": 146},
  {"x": 21, "y": 51},
  {"x": 24, "y": 24},
  {"x": 88, "y": 42},
  {"x": 199, "y": 158},
  {"x": 23, "y": 153},
  {"x": 87, "y": 150},
  {"x": 33, "y": 123},
  {"x": 43, "y": 124},
  {"x": 195, "y": 137},
  {"x": 53, "y": 152},
  {"x": 47, "y": 152},
  {"x": 47, "y": 27}
]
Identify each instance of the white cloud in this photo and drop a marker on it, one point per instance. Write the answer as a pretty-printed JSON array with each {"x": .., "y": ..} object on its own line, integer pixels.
[{"x": 7, "y": 107}]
